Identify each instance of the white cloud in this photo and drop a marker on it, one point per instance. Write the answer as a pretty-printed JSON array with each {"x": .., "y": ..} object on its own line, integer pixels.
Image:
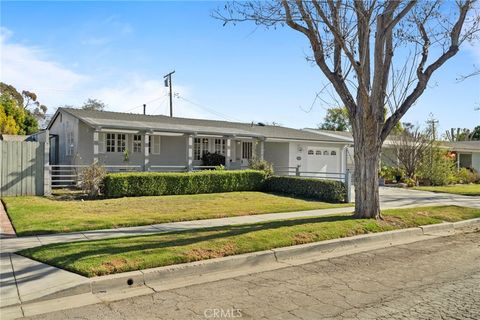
[
  {"x": 132, "y": 91},
  {"x": 30, "y": 68}
]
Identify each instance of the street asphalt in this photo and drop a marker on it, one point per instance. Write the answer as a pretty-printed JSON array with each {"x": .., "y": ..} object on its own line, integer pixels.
[{"x": 432, "y": 279}]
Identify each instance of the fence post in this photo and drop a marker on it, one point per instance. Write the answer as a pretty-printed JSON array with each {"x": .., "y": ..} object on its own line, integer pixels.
[
  {"x": 297, "y": 171},
  {"x": 47, "y": 174},
  {"x": 348, "y": 185}
]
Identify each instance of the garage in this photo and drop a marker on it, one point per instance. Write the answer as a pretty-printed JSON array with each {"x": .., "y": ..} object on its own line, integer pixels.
[{"x": 323, "y": 159}]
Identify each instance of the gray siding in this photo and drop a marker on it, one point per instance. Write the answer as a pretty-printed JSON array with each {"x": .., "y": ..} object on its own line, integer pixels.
[{"x": 277, "y": 153}]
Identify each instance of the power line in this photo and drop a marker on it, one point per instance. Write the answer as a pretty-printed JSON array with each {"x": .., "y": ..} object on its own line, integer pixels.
[
  {"x": 140, "y": 106},
  {"x": 212, "y": 111},
  {"x": 160, "y": 104}
]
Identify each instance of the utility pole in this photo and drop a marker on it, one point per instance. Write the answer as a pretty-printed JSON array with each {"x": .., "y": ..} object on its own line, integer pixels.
[
  {"x": 432, "y": 122},
  {"x": 168, "y": 83}
]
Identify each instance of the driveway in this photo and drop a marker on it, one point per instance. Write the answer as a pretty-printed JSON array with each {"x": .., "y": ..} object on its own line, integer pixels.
[
  {"x": 432, "y": 279},
  {"x": 401, "y": 197}
]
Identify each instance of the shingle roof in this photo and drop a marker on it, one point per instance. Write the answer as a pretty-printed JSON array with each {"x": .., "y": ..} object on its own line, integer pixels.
[
  {"x": 107, "y": 119},
  {"x": 463, "y": 145}
]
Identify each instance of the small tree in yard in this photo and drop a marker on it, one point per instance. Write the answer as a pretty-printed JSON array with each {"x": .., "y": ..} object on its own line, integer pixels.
[
  {"x": 411, "y": 146},
  {"x": 353, "y": 43},
  {"x": 92, "y": 179}
]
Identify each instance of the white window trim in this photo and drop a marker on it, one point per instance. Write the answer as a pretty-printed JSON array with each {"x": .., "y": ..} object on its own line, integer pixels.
[
  {"x": 155, "y": 144},
  {"x": 138, "y": 142},
  {"x": 248, "y": 150},
  {"x": 70, "y": 145}
]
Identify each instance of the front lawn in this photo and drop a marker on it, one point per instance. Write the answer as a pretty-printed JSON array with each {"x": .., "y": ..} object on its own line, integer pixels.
[
  {"x": 40, "y": 215},
  {"x": 101, "y": 257},
  {"x": 462, "y": 189}
]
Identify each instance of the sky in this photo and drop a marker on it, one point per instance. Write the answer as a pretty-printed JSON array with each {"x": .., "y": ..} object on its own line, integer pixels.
[{"x": 118, "y": 52}]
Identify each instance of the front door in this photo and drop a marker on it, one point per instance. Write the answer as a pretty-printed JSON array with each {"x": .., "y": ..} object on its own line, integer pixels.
[
  {"x": 247, "y": 152},
  {"x": 53, "y": 152}
]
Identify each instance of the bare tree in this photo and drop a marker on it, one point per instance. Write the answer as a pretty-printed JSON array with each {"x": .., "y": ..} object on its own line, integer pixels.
[
  {"x": 354, "y": 44},
  {"x": 411, "y": 145}
]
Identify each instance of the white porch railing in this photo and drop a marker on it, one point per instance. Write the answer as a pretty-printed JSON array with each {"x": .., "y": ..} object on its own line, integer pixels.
[{"x": 66, "y": 175}]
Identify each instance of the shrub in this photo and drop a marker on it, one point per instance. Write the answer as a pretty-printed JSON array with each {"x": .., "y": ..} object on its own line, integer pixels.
[
  {"x": 174, "y": 183},
  {"x": 92, "y": 178},
  {"x": 213, "y": 159},
  {"x": 465, "y": 175},
  {"x": 324, "y": 190},
  {"x": 262, "y": 165},
  {"x": 438, "y": 168},
  {"x": 410, "y": 182}
]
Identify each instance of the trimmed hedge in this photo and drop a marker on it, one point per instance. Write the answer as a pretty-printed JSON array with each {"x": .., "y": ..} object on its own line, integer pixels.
[
  {"x": 323, "y": 190},
  {"x": 174, "y": 183}
]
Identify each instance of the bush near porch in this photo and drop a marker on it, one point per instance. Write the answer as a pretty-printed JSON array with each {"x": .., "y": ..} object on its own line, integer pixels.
[{"x": 170, "y": 183}]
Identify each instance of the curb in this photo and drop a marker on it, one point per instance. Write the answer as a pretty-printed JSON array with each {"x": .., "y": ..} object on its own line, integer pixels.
[{"x": 182, "y": 275}]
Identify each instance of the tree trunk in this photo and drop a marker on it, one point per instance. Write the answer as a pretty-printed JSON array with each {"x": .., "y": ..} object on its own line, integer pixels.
[{"x": 367, "y": 161}]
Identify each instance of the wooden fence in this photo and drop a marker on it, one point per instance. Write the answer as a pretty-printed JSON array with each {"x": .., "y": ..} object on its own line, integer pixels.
[{"x": 24, "y": 168}]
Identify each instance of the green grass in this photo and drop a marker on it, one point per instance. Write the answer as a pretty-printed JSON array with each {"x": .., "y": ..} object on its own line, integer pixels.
[
  {"x": 462, "y": 189},
  {"x": 101, "y": 257},
  {"x": 40, "y": 215}
]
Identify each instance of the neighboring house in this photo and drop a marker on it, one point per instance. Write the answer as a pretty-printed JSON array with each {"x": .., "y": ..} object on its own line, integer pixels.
[
  {"x": 160, "y": 143},
  {"x": 467, "y": 152}
]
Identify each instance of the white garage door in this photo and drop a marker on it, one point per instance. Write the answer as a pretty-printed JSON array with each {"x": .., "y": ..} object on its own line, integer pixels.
[{"x": 323, "y": 159}]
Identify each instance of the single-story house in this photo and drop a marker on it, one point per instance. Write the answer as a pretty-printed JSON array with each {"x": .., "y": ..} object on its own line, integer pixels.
[{"x": 162, "y": 143}]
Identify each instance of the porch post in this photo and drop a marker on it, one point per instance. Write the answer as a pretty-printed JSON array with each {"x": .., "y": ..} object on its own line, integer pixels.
[
  {"x": 146, "y": 143},
  {"x": 458, "y": 161},
  {"x": 228, "y": 156},
  {"x": 262, "y": 149},
  {"x": 95, "y": 145},
  {"x": 190, "y": 152}
]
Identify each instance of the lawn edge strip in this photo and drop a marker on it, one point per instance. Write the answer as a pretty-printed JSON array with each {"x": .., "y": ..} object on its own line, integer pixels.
[{"x": 197, "y": 272}]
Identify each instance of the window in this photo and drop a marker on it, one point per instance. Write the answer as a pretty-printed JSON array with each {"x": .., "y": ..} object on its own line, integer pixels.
[
  {"x": 325, "y": 153},
  {"x": 204, "y": 146},
  {"x": 137, "y": 143},
  {"x": 200, "y": 147},
  {"x": 70, "y": 144},
  {"x": 121, "y": 142},
  {"x": 247, "y": 150},
  {"x": 196, "y": 149},
  {"x": 110, "y": 142},
  {"x": 310, "y": 152},
  {"x": 333, "y": 153},
  {"x": 154, "y": 145},
  {"x": 318, "y": 152},
  {"x": 220, "y": 146}
]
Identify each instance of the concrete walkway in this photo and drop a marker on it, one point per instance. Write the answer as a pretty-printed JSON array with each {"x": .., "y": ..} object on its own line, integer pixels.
[{"x": 24, "y": 280}]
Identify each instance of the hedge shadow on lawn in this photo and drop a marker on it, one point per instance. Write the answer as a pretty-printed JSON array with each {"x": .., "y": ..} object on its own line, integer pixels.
[{"x": 192, "y": 237}]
